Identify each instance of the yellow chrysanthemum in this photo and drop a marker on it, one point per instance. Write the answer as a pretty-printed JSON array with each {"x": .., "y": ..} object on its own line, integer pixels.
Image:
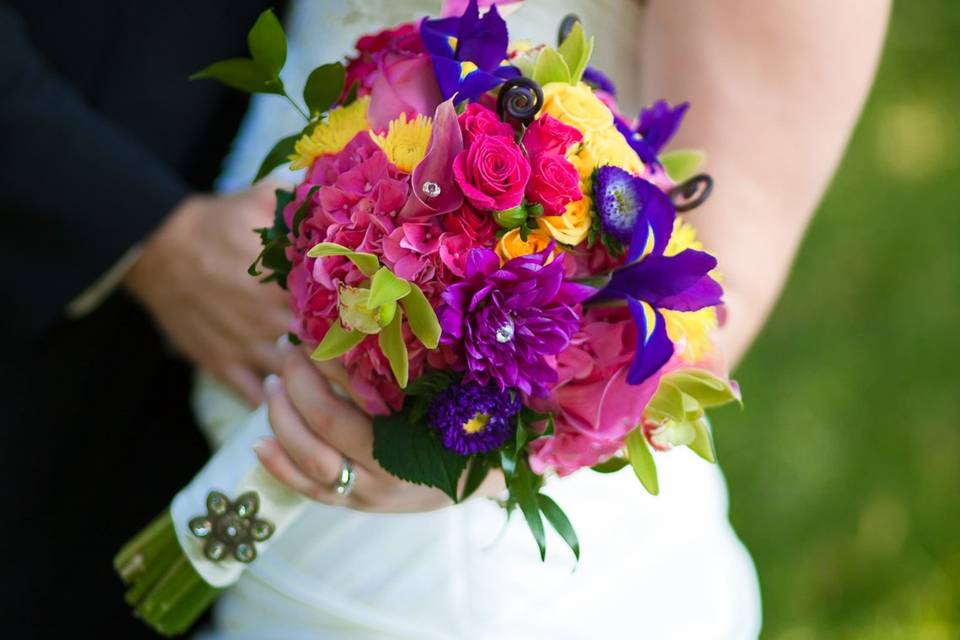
[
  {"x": 573, "y": 225},
  {"x": 332, "y": 135},
  {"x": 405, "y": 143},
  {"x": 690, "y": 331}
]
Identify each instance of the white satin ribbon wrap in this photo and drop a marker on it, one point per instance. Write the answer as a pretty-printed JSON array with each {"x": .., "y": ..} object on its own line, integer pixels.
[{"x": 233, "y": 470}]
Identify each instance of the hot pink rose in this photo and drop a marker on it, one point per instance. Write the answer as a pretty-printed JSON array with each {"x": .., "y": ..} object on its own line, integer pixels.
[
  {"x": 479, "y": 226},
  {"x": 476, "y": 120},
  {"x": 554, "y": 182},
  {"x": 549, "y": 135},
  {"x": 492, "y": 173}
]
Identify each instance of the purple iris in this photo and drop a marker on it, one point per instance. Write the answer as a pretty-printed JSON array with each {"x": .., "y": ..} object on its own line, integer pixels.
[
  {"x": 510, "y": 319},
  {"x": 656, "y": 126},
  {"x": 468, "y": 52},
  {"x": 650, "y": 281},
  {"x": 599, "y": 80},
  {"x": 473, "y": 419}
]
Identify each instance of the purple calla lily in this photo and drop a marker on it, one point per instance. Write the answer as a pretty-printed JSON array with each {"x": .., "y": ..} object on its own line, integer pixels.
[{"x": 468, "y": 52}]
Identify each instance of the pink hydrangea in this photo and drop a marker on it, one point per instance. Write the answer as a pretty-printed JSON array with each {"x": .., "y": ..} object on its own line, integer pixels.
[{"x": 351, "y": 198}]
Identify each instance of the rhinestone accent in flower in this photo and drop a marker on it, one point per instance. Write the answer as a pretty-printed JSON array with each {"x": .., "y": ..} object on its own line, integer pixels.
[
  {"x": 231, "y": 529},
  {"x": 505, "y": 333},
  {"x": 430, "y": 189}
]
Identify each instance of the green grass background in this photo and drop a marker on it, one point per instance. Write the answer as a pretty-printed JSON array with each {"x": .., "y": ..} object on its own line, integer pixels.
[{"x": 844, "y": 468}]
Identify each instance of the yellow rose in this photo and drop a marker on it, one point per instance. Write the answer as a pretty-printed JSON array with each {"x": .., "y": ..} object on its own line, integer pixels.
[
  {"x": 609, "y": 147},
  {"x": 511, "y": 245},
  {"x": 573, "y": 226},
  {"x": 576, "y": 105}
]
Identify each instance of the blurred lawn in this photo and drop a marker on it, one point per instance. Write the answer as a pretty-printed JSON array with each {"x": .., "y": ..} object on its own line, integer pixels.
[{"x": 845, "y": 466}]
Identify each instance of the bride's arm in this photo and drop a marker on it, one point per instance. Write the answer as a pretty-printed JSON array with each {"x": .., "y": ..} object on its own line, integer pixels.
[{"x": 776, "y": 87}]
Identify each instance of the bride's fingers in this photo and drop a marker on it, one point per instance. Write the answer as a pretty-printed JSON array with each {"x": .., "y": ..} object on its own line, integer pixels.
[
  {"x": 329, "y": 417},
  {"x": 338, "y": 378},
  {"x": 314, "y": 458},
  {"x": 276, "y": 461}
]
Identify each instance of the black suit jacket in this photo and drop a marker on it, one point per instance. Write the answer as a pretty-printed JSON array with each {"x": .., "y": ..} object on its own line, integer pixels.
[{"x": 101, "y": 135}]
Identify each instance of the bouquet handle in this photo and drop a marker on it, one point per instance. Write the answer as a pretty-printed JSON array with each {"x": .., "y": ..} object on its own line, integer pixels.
[{"x": 230, "y": 513}]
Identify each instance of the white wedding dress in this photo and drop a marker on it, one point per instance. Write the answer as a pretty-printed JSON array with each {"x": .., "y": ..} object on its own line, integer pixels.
[{"x": 652, "y": 567}]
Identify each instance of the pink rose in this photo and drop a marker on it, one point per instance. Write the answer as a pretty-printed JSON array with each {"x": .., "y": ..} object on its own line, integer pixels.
[
  {"x": 554, "y": 183},
  {"x": 371, "y": 48},
  {"x": 492, "y": 173},
  {"x": 402, "y": 84},
  {"x": 476, "y": 120},
  {"x": 549, "y": 135},
  {"x": 593, "y": 405}
]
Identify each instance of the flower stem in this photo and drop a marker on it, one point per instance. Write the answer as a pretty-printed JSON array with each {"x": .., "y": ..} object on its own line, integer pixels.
[
  {"x": 165, "y": 589},
  {"x": 296, "y": 106}
]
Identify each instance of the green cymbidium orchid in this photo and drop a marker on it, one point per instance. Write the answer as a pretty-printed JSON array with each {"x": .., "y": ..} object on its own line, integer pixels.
[
  {"x": 565, "y": 63},
  {"x": 675, "y": 417},
  {"x": 377, "y": 307}
]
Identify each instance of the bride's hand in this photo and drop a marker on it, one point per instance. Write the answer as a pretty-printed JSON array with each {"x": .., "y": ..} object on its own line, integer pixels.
[{"x": 315, "y": 429}]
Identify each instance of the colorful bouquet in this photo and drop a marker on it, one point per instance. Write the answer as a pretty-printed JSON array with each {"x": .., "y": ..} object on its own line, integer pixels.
[{"x": 494, "y": 254}]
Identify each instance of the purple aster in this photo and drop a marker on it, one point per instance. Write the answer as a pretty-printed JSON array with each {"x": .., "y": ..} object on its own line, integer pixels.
[
  {"x": 656, "y": 126},
  {"x": 510, "y": 319},
  {"x": 473, "y": 419},
  {"x": 651, "y": 280},
  {"x": 469, "y": 52}
]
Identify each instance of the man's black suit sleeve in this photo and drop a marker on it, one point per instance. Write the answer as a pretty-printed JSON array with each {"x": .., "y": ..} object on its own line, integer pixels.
[{"x": 76, "y": 192}]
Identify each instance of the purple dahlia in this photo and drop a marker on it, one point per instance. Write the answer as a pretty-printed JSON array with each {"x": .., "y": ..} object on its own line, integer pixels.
[
  {"x": 509, "y": 320},
  {"x": 473, "y": 419}
]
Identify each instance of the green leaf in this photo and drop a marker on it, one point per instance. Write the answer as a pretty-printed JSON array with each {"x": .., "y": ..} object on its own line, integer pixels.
[
  {"x": 550, "y": 67},
  {"x": 413, "y": 452},
  {"x": 242, "y": 74},
  {"x": 560, "y": 522},
  {"x": 385, "y": 287},
  {"x": 421, "y": 317},
  {"x": 476, "y": 474},
  {"x": 366, "y": 262},
  {"x": 702, "y": 444},
  {"x": 508, "y": 462},
  {"x": 268, "y": 44},
  {"x": 394, "y": 348},
  {"x": 430, "y": 383},
  {"x": 336, "y": 342},
  {"x": 682, "y": 164},
  {"x": 301, "y": 213},
  {"x": 708, "y": 389},
  {"x": 526, "y": 495},
  {"x": 279, "y": 155},
  {"x": 612, "y": 465},
  {"x": 642, "y": 461},
  {"x": 351, "y": 96},
  {"x": 324, "y": 86},
  {"x": 576, "y": 51}
]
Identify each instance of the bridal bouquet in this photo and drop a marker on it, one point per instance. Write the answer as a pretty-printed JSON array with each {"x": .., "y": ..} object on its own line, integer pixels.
[{"x": 493, "y": 252}]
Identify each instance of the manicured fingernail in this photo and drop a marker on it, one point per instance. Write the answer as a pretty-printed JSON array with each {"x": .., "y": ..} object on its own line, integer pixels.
[
  {"x": 284, "y": 344},
  {"x": 259, "y": 445},
  {"x": 272, "y": 383}
]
